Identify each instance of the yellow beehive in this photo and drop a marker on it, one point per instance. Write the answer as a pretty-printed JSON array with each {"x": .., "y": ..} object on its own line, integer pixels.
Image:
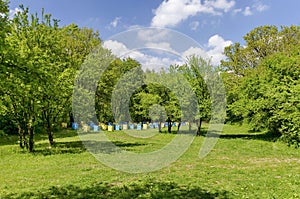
[
  {"x": 145, "y": 126},
  {"x": 124, "y": 126},
  {"x": 103, "y": 126},
  {"x": 110, "y": 128},
  {"x": 64, "y": 125},
  {"x": 86, "y": 128}
]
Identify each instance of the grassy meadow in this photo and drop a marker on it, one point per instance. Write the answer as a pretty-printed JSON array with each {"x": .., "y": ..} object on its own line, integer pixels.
[{"x": 243, "y": 164}]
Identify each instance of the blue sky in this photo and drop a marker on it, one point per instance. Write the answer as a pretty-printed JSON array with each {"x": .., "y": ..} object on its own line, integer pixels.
[{"x": 212, "y": 23}]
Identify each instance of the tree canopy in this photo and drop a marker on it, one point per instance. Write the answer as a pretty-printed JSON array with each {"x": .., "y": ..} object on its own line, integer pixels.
[{"x": 262, "y": 80}]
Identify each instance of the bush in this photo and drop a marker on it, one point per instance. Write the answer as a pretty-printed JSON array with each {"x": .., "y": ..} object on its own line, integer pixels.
[{"x": 8, "y": 126}]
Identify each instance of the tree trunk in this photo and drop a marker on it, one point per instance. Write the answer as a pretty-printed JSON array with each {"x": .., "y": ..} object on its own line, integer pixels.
[
  {"x": 22, "y": 137},
  {"x": 159, "y": 126},
  {"x": 199, "y": 127},
  {"x": 31, "y": 141},
  {"x": 169, "y": 125},
  {"x": 30, "y": 130},
  {"x": 190, "y": 126},
  {"x": 71, "y": 119},
  {"x": 20, "y": 132},
  {"x": 25, "y": 143},
  {"x": 50, "y": 136},
  {"x": 179, "y": 124}
]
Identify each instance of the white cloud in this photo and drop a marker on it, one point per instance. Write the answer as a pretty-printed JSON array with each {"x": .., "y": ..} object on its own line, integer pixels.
[
  {"x": 251, "y": 10},
  {"x": 161, "y": 45},
  {"x": 247, "y": 11},
  {"x": 260, "y": 7},
  {"x": 172, "y": 12},
  {"x": 147, "y": 61},
  {"x": 153, "y": 35},
  {"x": 214, "y": 51},
  {"x": 13, "y": 12},
  {"x": 220, "y": 4},
  {"x": 117, "y": 48},
  {"x": 195, "y": 51},
  {"x": 238, "y": 10},
  {"x": 217, "y": 44},
  {"x": 115, "y": 22},
  {"x": 194, "y": 25}
]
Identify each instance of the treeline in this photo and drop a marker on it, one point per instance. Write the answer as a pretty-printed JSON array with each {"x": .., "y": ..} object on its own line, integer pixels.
[
  {"x": 41, "y": 85},
  {"x": 263, "y": 81},
  {"x": 126, "y": 93},
  {"x": 39, "y": 61},
  {"x": 39, "y": 81}
]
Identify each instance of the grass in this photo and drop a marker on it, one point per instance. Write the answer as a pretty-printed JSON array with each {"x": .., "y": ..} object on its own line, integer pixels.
[{"x": 241, "y": 165}]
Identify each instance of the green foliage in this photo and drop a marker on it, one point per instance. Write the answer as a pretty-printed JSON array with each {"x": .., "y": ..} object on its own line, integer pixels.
[
  {"x": 199, "y": 74},
  {"x": 41, "y": 60},
  {"x": 267, "y": 94},
  {"x": 3, "y": 27},
  {"x": 7, "y": 125}
]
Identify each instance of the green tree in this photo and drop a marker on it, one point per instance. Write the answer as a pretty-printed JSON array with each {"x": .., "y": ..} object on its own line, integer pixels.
[
  {"x": 267, "y": 95},
  {"x": 70, "y": 46},
  {"x": 195, "y": 71},
  {"x": 120, "y": 77},
  {"x": 40, "y": 66},
  {"x": 22, "y": 77},
  {"x": 259, "y": 43}
]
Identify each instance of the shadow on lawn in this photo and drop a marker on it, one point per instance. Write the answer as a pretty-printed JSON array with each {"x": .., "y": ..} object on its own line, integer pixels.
[
  {"x": 134, "y": 190},
  {"x": 268, "y": 136},
  {"x": 39, "y": 136},
  {"x": 75, "y": 147}
]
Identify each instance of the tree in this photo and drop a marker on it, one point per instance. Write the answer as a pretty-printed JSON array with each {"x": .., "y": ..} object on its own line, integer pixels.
[
  {"x": 159, "y": 99},
  {"x": 22, "y": 78},
  {"x": 3, "y": 28},
  {"x": 70, "y": 46},
  {"x": 259, "y": 43},
  {"x": 195, "y": 71},
  {"x": 40, "y": 66},
  {"x": 267, "y": 95},
  {"x": 117, "y": 81}
]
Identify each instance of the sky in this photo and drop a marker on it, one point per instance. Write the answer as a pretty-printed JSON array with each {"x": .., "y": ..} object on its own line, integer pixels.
[{"x": 128, "y": 25}]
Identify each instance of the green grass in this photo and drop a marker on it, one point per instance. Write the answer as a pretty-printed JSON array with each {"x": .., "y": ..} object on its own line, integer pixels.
[{"x": 242, "y": 165}]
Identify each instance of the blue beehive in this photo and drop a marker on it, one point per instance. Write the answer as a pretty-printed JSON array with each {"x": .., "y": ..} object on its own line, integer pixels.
[
  {"x": 139, "y": 127},
  {"x": 91, "y": 125},
  {"x": 151, "y": 126},
  {"x": 131, "y": 126},
  {"x": 96, "y": 128},
  {"x": 166, "y": 124},
  {"x": 174, "y": 124},
  {"x": 74, "y": 126},
  {"x": 117, "y": 127}
]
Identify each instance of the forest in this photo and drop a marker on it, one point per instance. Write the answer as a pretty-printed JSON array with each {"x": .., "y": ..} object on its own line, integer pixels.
[{"x": 39, "y": 62}]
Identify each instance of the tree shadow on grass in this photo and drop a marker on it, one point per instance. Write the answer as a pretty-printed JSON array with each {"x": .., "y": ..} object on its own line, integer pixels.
[
  {"x": 8, "y": 140},
  {"x": 76, "y": 147},
  {"x": 39, "y": 136},
  {"x": 265, "y": 136},
  {"x": 134, "y": 190}
]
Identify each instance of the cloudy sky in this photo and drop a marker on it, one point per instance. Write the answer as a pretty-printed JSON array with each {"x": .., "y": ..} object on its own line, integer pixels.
[{"x": 211, "y": 24}]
